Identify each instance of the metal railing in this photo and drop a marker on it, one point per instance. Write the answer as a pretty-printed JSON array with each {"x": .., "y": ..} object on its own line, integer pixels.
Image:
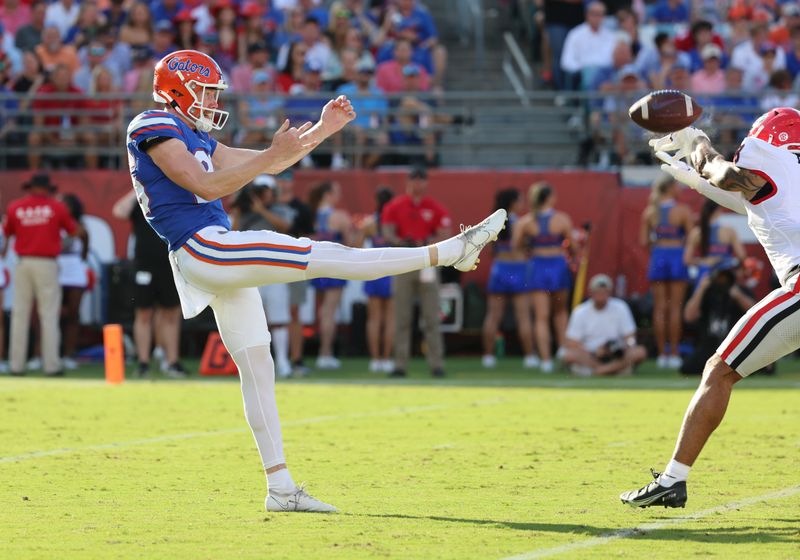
[
  {"x": 544, "y": 129},
  {"x": 514, "y": 61}
]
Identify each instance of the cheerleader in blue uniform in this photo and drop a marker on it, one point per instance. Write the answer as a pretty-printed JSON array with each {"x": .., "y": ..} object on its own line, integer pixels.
[
  {"x": 331, "y": 224},
  {"x": 710, "y": 242},
  {"x": 508, "y": 279},
  {"x": 380, "y": 306},
  {"x": 547, "y": 233},
  {"x": 664, "y": 226}
]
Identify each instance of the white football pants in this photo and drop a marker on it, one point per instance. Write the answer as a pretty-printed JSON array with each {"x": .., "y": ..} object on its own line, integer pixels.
[{"x": 231, "y": 264}]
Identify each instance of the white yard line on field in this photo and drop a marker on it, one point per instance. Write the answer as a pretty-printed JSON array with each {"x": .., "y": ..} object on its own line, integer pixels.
[
  {"x": 655, "y": 526},
  {"x": 397, "y": 411}
]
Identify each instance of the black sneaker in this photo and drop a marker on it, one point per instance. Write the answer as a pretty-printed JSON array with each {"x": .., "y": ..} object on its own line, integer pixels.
[
  {"x": 142, "y": 369},
  {"x": 176, "y": 371},
  {"x": 438, "y": 373},
  {"x": 656, "y": 495},
  {"x": 398, "y": 373}
]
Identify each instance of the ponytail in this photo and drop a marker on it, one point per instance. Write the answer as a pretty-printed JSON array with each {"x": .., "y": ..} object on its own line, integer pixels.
[
  {"x": 315, "y": 196},
  {"x": 705, "y": 225},
  {"x": 538, "y": 195},
  {"x": 660, "y": 187}
]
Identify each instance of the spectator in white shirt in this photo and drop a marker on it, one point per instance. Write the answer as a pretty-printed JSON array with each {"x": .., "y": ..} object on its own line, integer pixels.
[
  {"x": 758, "y": 58},
  {"x": 588, "y": 45},
  {"x": 62, "y": 14},
  {"x": 601, "y": 334}
]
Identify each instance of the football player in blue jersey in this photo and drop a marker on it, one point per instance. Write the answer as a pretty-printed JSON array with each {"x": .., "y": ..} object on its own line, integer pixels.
[{"x": 180, "y": 173}]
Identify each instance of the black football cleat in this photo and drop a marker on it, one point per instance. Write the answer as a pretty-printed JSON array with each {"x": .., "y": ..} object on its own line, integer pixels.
[{"x": 656, "y": 495}]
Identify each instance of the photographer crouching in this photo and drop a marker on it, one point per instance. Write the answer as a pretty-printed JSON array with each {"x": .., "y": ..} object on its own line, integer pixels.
[
  {"x": 601, "y": 334},
  {"x": 720, "y": 299}
]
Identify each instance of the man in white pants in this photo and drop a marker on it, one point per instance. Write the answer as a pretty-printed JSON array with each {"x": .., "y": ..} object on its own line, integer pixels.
[
  {"x": 760, "y": 182},
  {"x": 180, "y": 173}
]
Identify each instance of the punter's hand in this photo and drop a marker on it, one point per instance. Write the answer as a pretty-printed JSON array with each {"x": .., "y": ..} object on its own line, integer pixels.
[
  {"x": 287, "y": 146},
  {"x": 681, "y": 171},
  {"x": 681, "y": 142},
  {"x": 336, "y": 114}
]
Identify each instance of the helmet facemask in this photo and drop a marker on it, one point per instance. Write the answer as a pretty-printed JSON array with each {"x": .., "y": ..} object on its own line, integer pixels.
[{"x": 205, "y": 118}]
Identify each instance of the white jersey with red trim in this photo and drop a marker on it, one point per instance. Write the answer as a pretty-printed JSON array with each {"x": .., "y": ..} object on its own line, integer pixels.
[{"x": 774, "y": 214}]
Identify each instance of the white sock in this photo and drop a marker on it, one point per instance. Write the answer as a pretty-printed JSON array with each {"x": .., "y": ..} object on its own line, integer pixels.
[
  {"x": 450, "y": 250},
  {"x": 280, "y": 342},
  {"x": 281, "y": 482},
  {"x": 674, "y": 472},
  {"x": 332, "y": 260}
]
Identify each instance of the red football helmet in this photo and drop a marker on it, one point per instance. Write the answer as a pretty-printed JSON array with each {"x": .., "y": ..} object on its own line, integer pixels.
[
  {"x": 190, "y": 82},
  {"x": 780, "y": 127}
]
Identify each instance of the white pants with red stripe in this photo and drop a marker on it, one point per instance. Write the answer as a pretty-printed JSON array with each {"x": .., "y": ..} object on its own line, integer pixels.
[
  {"x": 768, "y": 331},
  {"x": 224, "y": 268}
]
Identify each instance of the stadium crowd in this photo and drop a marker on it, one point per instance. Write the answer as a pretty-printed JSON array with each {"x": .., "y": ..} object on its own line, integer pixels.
[
  {"x": 736, "y": 57},
  {"x": 69, "y": 62}
]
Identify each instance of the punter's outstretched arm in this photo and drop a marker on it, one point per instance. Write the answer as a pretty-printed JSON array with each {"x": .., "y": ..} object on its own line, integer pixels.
[
  {"x": 335, "y": 115},
  {"x": 172, "y": 157}
]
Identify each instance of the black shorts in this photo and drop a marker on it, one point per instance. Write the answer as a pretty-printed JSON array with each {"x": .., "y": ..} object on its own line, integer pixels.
[{"x": 154, "y": 287}]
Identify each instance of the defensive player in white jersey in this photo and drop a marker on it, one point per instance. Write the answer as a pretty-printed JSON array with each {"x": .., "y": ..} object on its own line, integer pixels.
[
  {"x": 762, "y": 183},
  {"x": 180, "y": 173}
]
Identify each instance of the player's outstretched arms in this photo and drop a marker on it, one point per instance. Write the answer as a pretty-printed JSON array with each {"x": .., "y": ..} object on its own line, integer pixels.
[
  {"x": 175, "y": 161},
  {"x": 684, "y": 173},
  {"x": 724, "y": 174}
]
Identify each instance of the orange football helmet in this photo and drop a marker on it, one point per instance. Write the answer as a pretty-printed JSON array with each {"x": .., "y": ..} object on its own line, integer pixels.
[{"x": 190, "y": 82}]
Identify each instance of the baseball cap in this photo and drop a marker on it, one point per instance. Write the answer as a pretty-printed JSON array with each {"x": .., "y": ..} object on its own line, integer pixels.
[
  {"x": 600, "y": 281},
  {"x": 411, "y": 70},
  {"x": 768, "y": 47},
  {"x": 97, "y": 50},
  {"x": 365, "y": 65},
  {"x": 210, "y": 38},
  {"x": 627, "y": 70},
  {"x": 710, "y": 51},
  {"x": 140, "y": 53},
  {"x": 265, "y": 181},
  {"x": 418, "y": 172},
  {"x": 680, "y": 64},
  {"x": 163, "y": 25},
  {"x": 312, "y": 66},
  {"x": 258, "y": 46},
  {"x": 261, "y": 77},
  {"x": 40, "y": 180}
]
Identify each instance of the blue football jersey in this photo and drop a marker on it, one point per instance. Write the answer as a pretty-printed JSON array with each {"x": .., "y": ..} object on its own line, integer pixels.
[{"x": 173, "y": 212}]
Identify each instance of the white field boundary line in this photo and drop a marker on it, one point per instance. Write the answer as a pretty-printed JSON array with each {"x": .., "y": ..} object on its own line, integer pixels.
[
  {"x": 655, "y": 526},
  {"x": 398, "y": 411}
]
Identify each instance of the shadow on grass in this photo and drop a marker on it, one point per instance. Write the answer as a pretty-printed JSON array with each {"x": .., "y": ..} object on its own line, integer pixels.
[{"x": 727, "y": 535}]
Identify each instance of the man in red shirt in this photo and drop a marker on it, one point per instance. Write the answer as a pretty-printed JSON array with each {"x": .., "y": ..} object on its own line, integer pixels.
[
  {"x": 36, "y": 221},
  {"x": 416, "y": 220},
  {"x": 59, "y": 118}
]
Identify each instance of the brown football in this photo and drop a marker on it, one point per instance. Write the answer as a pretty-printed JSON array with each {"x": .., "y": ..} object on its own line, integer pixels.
[{"x": 666, "y": 110}]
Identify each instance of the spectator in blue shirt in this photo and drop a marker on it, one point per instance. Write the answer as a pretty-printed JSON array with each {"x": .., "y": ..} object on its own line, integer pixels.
[
  {"x": 671, "y": 11},
  {"x": 165, "y": 9},
  {"x": 371, "y": 109},
  {"x": 793, "y": 53},
  {"x": 413, "y": 22}
]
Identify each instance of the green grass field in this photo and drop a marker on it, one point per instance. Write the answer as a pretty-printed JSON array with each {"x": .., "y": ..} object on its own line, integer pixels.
[{"x": 479, "y": 465}]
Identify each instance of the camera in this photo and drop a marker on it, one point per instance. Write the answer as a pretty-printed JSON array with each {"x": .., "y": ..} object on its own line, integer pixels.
[{"x": 611, "y": 350}]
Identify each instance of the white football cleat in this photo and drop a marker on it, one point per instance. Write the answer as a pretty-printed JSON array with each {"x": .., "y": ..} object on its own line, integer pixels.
[
  {"x": 477, "y": 237},
  {"x": 298, "y": 500},
  {"x": 376, "y": 366},
  {"x": 328, "y": 362},
  {"x": 531, "y": 361},
  {"x": 488, "y": 361}
]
